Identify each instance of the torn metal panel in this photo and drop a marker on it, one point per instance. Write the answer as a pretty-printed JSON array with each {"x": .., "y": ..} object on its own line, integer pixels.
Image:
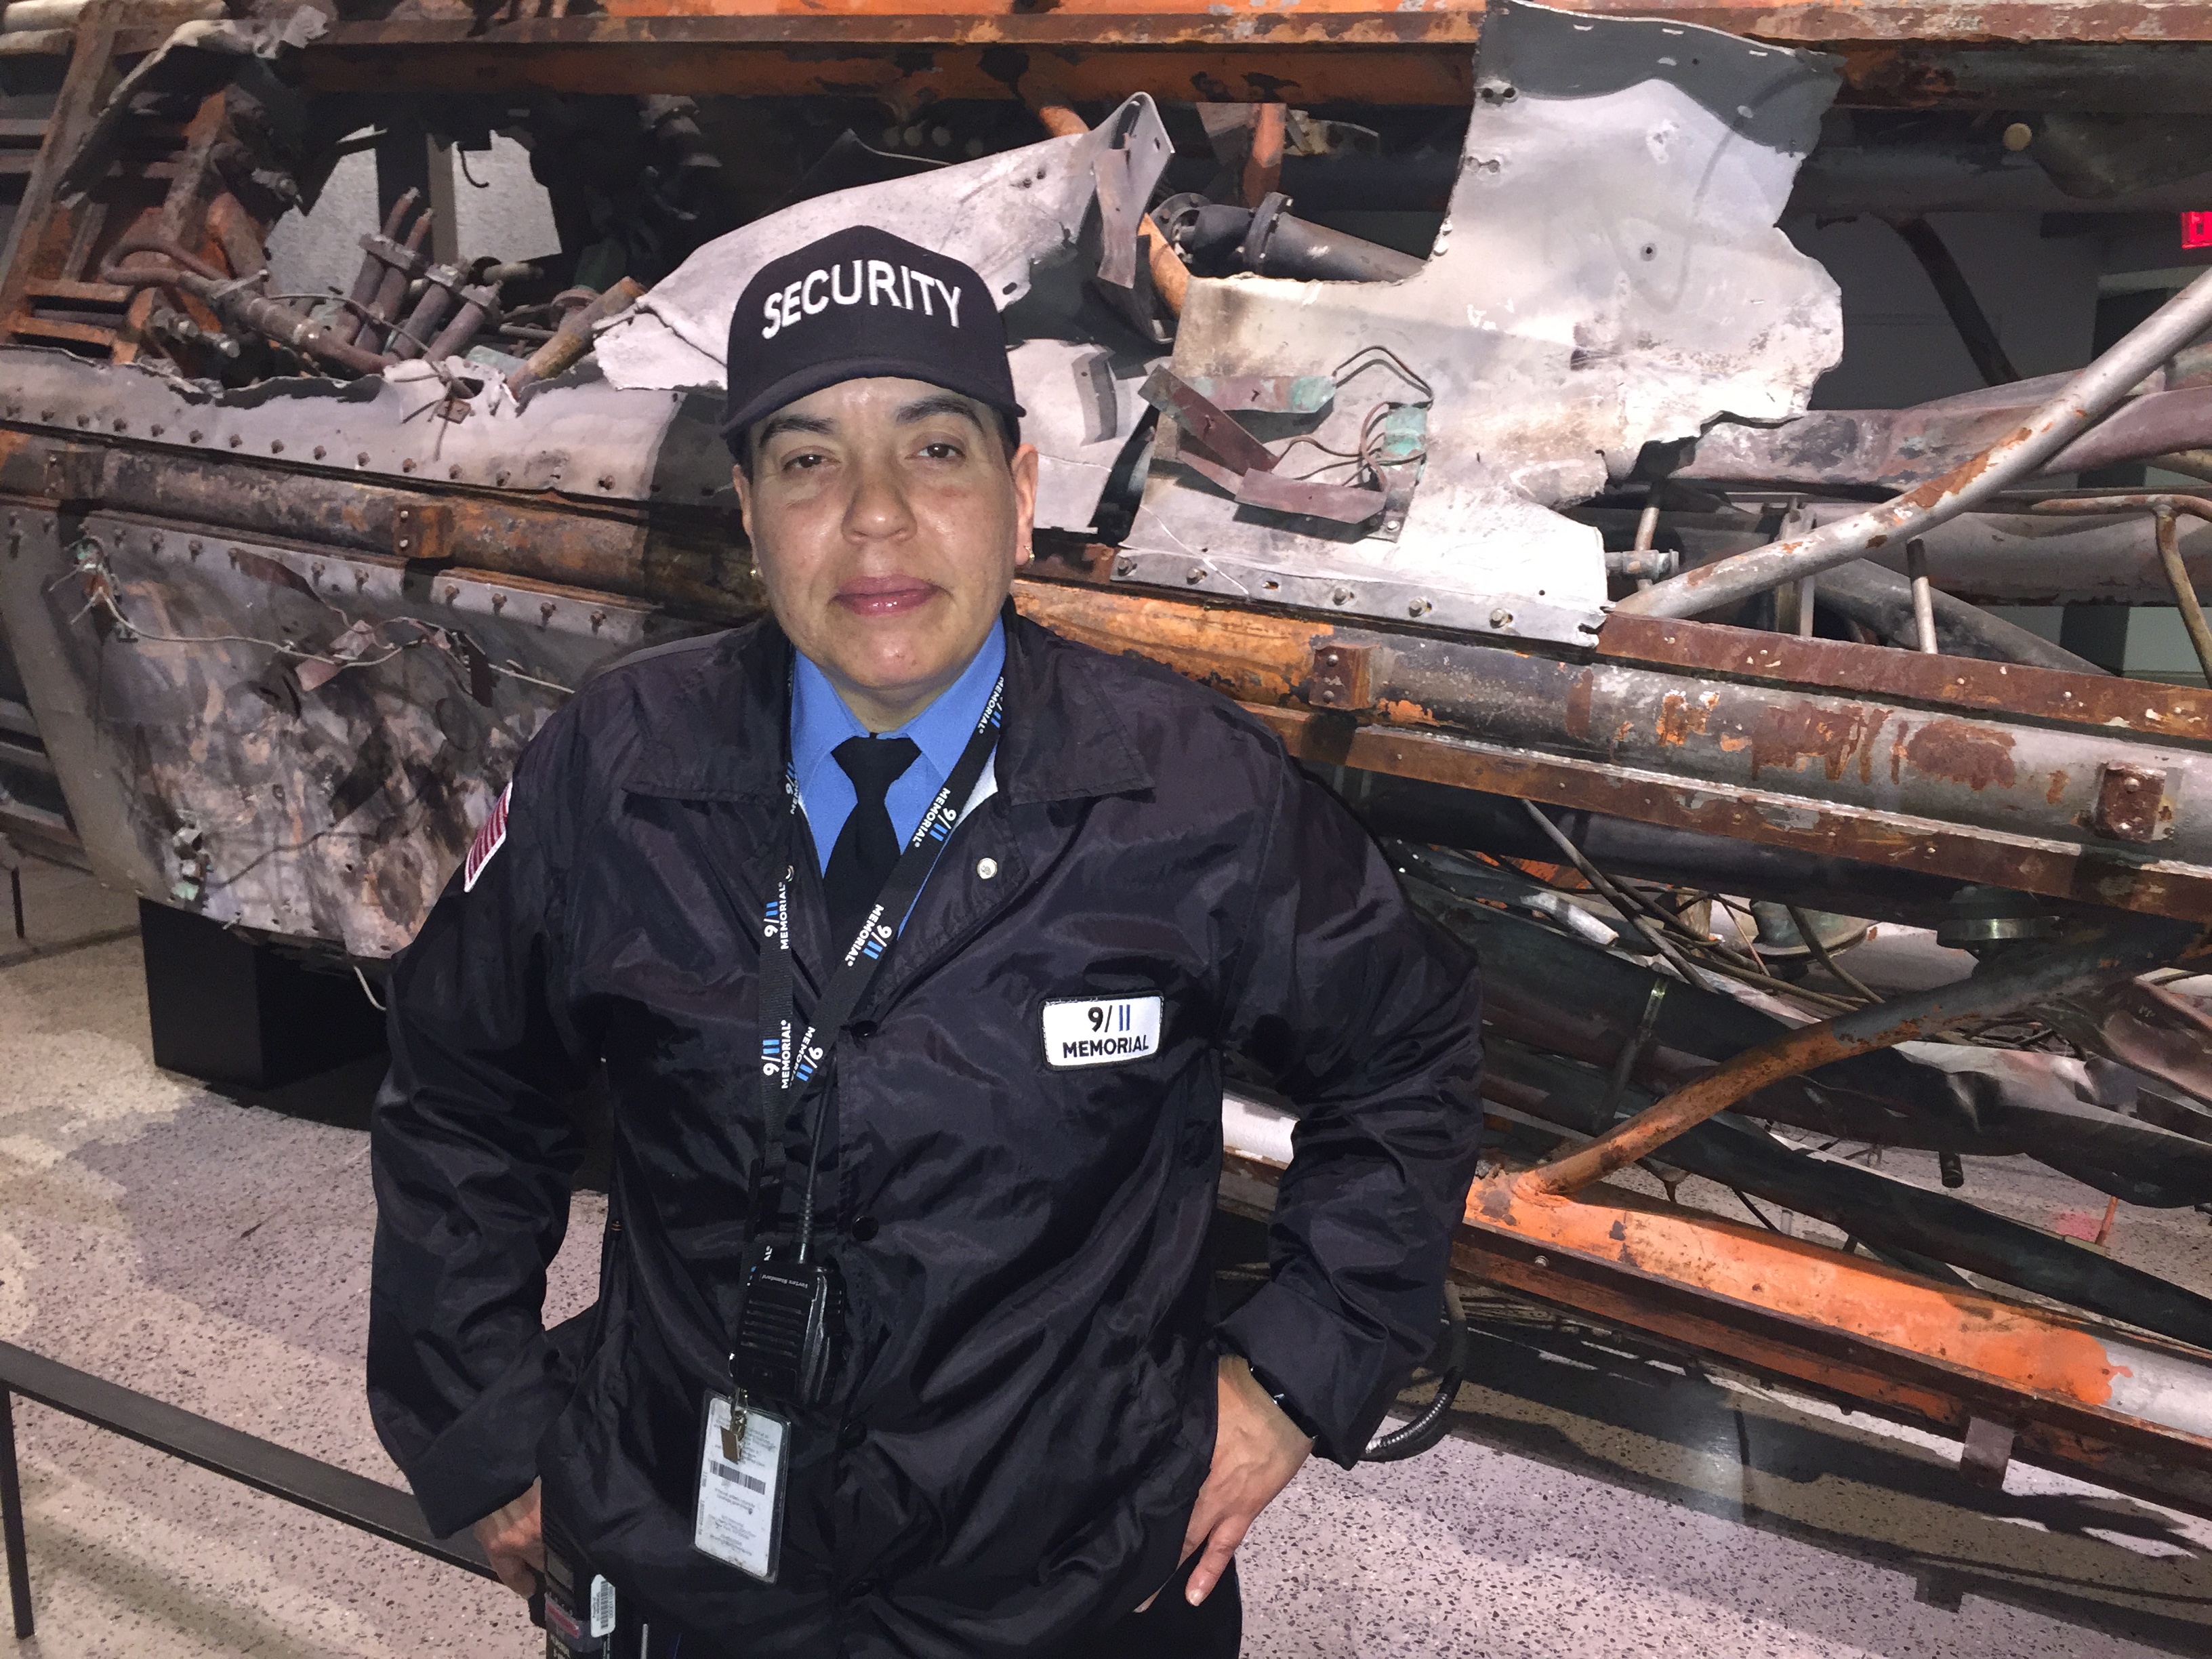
[
  {"x": 211, "y": 770},
  {"x": 2146, "y": 1028},
  {"x": 1084, "y": 405},
  {"x": 1611, "y": 170},
  {"x": 1031, "y": 221},
  {"x": 1004, "y": 215}
]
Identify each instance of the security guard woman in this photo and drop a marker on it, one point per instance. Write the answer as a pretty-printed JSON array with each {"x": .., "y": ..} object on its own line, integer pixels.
[{"x": 913, "y": 939}]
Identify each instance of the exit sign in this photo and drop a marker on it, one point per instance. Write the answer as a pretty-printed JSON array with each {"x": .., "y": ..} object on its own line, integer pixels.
[{"x": 2196, "y": 230}]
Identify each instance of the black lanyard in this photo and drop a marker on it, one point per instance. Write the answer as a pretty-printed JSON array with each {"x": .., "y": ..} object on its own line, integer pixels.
[{"x": 789, "y": 1067}]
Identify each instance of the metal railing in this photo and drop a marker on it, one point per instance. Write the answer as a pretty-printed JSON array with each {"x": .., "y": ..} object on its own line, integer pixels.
[{"x": 343, "y": 1496}]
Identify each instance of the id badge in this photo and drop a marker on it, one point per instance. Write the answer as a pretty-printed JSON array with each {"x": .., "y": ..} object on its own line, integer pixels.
[{"x": 740, "y": 1514}]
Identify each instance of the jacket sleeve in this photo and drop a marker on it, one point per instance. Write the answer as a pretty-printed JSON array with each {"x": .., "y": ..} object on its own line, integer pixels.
[
  {"x": 1367, "y": 1016},
  {"x": 472, "y": 1151}
]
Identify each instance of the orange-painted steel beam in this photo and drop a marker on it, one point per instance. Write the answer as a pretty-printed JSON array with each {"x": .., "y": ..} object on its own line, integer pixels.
[
  {"x": 1940, "y": 1352},
  {"x": 909, "y": 69},
  {"x": 2129, "y": 1412}
]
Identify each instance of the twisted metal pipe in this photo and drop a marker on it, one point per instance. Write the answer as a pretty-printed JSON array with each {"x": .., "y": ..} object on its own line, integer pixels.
[
  {"x": 224, "y": 294},
  {"x": 2164, "y": 509},
  {"x": 2085, "y": 400}
]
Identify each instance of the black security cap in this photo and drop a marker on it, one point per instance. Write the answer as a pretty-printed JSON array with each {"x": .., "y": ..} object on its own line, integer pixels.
[{"x": 859, "y": 304}]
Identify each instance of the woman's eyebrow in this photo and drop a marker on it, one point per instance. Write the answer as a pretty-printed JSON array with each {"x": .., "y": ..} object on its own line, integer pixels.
[
  {"x": 942, "y": 403},
  {"x": 787, "y": 423}
]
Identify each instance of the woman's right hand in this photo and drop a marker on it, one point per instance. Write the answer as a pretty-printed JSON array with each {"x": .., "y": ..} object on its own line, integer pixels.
[{"x": 514, "y": 1538}]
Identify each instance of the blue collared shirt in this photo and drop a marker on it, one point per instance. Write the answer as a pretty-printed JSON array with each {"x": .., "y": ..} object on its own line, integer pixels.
[{"x": 820, "y": 722}]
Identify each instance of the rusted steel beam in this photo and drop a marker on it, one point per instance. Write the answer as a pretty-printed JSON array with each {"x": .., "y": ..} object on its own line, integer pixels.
[
  {"x": 1967, "y": 771},
  {"x": 1953, "y": 853},
  {"x": 2178, "y": 713},
  {"x": 1895, "y": 57},
  {"x": 683, "y": 559},
  {"x": 1908, "y": 1226},
  {"x": 74, "y": 108},
  {"x": 1815, "y": 21},
  {"x": 1109, "y": 22},
  {"x": 2126, "y": 1412},
  {"x": 1938, "y": 783}
]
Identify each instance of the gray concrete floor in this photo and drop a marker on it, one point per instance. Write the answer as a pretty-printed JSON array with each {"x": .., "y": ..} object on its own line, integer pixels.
[{"x": 1597, "y": 1498}]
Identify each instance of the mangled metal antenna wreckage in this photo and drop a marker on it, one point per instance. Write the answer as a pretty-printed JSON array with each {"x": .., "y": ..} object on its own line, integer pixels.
[{"x": 1662, "y": 686}]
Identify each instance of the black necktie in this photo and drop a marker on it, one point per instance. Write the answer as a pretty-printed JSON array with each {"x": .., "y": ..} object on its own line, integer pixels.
[{"x": 867, "y": 847}]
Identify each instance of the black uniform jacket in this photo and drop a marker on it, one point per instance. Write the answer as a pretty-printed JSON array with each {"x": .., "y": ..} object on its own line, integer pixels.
[{"x": 1027, "y": 1407}]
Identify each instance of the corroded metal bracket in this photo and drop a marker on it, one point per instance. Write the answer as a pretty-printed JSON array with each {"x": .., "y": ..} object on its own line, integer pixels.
[{"x": 2130, "y": 804}]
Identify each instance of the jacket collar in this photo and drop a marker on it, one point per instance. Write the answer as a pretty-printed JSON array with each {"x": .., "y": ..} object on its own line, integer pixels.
[{"x": 717, "y": 729}]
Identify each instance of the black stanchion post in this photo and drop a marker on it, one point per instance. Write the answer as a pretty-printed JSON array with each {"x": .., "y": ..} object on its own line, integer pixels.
[{"x": 11, "y": 1521}]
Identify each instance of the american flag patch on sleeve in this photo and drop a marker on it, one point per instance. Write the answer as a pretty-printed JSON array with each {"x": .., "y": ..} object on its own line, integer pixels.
[{"x": 490, "y": 840}]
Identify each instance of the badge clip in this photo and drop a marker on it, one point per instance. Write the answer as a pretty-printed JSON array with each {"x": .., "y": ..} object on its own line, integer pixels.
[{"x": 733, "y": 1431}]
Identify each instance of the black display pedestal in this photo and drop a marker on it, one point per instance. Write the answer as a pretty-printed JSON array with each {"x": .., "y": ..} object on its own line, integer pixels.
[{"x": 227, "y": 1010}]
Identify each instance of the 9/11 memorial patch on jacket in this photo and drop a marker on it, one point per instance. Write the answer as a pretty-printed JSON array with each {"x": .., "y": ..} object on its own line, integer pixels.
[{"x": 1101, "y": 1031}]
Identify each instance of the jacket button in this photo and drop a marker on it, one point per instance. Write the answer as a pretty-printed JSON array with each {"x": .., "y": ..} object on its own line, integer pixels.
[
  {"x": 851, "y": 1433},
  {"x": 862, "y": 1029},
  {"x": 986, "y": 868},
  {"x": 864, "y": 1229}
]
